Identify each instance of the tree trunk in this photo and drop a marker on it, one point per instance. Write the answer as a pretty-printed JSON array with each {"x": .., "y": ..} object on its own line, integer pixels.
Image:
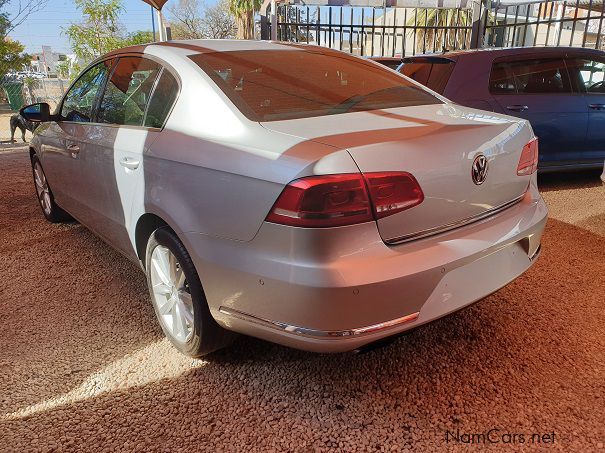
[{"x": 245, "y": 25}]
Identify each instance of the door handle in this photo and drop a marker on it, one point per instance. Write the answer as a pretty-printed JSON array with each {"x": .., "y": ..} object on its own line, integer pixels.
[
  {"x": 131, "y": 164},
  {"x": 517, "y": 108},
  {"x": 74, "y": 150},
  {"x": 597, "y": 106}
]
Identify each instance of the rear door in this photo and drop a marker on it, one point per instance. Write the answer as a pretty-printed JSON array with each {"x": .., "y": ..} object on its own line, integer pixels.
[
  {"x": 113, "y": 167},
  {"x": 589, "y": 75},
  {"x": 538, "y": 88}
]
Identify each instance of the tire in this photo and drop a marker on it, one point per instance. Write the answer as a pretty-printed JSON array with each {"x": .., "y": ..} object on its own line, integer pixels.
[
  {"x": 51, "y": 210},
  {"x": 195, "y": 332}
]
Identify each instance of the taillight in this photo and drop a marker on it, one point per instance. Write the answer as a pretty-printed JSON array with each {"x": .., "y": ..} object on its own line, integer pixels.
[
  {"x": 345, "y": 199},
  {"x": 528, "y": 163},
  {"x": 393, "y": 192}
]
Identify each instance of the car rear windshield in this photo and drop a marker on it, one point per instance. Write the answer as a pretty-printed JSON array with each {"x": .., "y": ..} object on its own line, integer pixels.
[
  {"x": 431, "y": 72},
  {"x": 271, "y": 85}
]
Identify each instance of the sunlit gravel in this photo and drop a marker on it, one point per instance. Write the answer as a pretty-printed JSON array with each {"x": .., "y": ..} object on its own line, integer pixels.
[{"x": 84, "y": 367}]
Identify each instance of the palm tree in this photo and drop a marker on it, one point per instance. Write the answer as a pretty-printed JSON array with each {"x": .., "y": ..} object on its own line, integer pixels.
[
  {"x": 442, "y": 37},
  {"x": 244, "y": 10}
]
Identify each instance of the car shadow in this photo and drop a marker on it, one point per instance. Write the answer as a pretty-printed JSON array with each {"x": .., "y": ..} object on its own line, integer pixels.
[{"x": 568, "y": 180}]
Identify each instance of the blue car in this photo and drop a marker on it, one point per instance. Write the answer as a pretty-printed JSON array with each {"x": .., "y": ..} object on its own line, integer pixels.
[{"x": 560, "y": 90}]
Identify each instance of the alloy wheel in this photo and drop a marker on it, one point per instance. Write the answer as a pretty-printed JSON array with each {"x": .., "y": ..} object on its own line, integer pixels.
[
  {"x": 42, "y": 189},
  {"x": 171, "y": 294}
]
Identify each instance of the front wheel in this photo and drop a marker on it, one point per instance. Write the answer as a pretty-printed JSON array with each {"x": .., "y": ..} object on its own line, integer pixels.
[
  {"x": 178, "y": 298},
  {"x": 51, "y": 210}
]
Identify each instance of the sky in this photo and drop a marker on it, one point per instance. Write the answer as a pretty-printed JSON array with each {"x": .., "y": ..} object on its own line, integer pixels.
[{"x": 45, "y": 27}]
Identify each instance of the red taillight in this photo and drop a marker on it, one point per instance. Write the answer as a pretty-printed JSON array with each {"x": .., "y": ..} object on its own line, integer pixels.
[
  {"x": 393, "y": 192},
  {"x": 337, "y": 200},
  {"x": 528, "y": 163}
]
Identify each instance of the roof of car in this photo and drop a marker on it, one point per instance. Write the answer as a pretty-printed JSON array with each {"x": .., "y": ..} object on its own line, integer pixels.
[
  {"x": 509, "y": 51},
  {"x": 219, "y": 45}
]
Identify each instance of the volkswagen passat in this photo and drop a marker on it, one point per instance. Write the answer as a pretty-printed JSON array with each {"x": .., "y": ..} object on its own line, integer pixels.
[{"x": 289, "y": 192}]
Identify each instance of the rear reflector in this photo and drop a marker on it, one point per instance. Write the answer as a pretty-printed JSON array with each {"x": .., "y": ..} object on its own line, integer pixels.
[
  {"x": 345, "y": 199},
  {"x": 528, "y": 163}
]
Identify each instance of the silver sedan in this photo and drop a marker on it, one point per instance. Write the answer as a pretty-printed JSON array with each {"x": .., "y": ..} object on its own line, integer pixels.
[{"x": 289, "y": 192}]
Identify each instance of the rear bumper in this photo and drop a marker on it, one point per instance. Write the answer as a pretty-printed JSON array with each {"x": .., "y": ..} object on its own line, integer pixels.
[{"x": 341, "y": 288}]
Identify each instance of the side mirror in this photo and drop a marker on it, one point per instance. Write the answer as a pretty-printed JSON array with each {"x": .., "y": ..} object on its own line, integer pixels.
[{"x": 36, "y": 113}]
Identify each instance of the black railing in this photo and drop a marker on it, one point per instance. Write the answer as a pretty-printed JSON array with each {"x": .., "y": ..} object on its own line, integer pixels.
[
  {"x": 372, "y": 31},
  {"x": 551, "y": 23}
]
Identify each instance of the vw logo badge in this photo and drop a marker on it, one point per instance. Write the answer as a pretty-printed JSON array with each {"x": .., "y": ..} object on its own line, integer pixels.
[{"x": 479, "y": 169}]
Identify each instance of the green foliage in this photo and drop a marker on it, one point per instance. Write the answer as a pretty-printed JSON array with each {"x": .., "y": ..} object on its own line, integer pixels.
[
  {"x": 12, "y": 57},
  {"x": 244, "y": 10},
  {"x": 138, "y": 37},
  {"x": 100, "y": 31},
  {"x": 443, "y": 39},
  {"x": 63, "y": 69}
]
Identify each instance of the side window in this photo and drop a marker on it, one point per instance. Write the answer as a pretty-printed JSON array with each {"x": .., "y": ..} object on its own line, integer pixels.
[
  {"x": 79, "y": 101},
  {"x": 588, "y": 74},
  {"x": 128, "y": 91},
  {"x": 536, "y": 76},
  {"x": 164, "y": 95},
  {"x": 502, "y": 79}
]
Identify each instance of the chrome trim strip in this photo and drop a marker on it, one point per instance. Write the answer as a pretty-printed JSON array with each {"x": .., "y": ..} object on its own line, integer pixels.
[
  {"x": 453, "y": 225},
  {"x": 318, "y": 334}
]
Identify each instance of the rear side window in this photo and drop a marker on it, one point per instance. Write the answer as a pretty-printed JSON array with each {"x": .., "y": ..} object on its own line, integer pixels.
[
  {"x": 536, "y": 76},
  {"x": 128, "y": 91},
  {"x": 431, "y": 73},
  {"x": 588, "y": 74},
  {"x": 164, "y": 95},
  {"x": 270, "y": 85}
]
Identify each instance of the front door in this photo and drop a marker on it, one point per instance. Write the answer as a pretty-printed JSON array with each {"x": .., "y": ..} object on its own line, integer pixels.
[
  {"x": 65, "y": 138},
  {"x": 540, "y": 90},
  {"x": 589, "y": 75}
]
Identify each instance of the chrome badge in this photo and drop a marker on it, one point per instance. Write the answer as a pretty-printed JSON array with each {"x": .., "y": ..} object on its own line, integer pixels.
[{"x": 479, "y": 169}]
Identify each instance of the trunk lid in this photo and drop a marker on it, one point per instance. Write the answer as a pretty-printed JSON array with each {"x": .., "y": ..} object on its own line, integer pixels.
[{"x": 438, "y": 145}]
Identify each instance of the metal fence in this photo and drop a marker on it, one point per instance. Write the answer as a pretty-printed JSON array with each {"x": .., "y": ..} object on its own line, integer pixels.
[
  {"x": 15, "y": 92},
  {"x": 401, "y": 31},
  {"x": 371, "y": 31},
  {"x": 552, "y": 23}
]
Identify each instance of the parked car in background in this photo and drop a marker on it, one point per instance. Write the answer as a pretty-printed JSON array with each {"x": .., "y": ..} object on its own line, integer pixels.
[
  {"x": 289, "y": 192},
  {"x": 389, "y": 62},
  {"x": 560, "y": 91}
]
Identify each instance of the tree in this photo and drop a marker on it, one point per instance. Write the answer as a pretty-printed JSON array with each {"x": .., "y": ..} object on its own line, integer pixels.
[
  {"x": 192, "y": 19},
  {"x": 23, "y": 10},
  {"x": 187, "y": 22},
  {"x": 100, "y": 31},
  {"x": 218, "y": 22},
  {"x": 441, "y": 36},
  {"x": 12, "y": 57},
  {"x": 137, "y": 38},
  {"x": 244, "y": 16}
]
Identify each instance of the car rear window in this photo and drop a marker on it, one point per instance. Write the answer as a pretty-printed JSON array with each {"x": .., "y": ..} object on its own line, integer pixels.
[
  {"x": 431, "y": 72},
  {"x": 271, "y": 85}
]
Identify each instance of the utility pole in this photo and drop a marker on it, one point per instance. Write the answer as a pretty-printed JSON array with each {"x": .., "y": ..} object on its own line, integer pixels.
[{"x": 153, "y": 23}]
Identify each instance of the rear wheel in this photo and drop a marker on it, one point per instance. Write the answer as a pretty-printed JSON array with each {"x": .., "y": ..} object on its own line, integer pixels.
[
  {"x": 51, "y": 210},
  {"x": 178, "y": 298}
]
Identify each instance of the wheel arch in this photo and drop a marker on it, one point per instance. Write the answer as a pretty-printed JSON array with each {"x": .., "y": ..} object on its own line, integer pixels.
[{"x": 146, "y": 225}]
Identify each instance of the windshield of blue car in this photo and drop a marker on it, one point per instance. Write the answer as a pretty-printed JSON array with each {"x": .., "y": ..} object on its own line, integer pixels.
[{"x": 271, "y": 85}]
